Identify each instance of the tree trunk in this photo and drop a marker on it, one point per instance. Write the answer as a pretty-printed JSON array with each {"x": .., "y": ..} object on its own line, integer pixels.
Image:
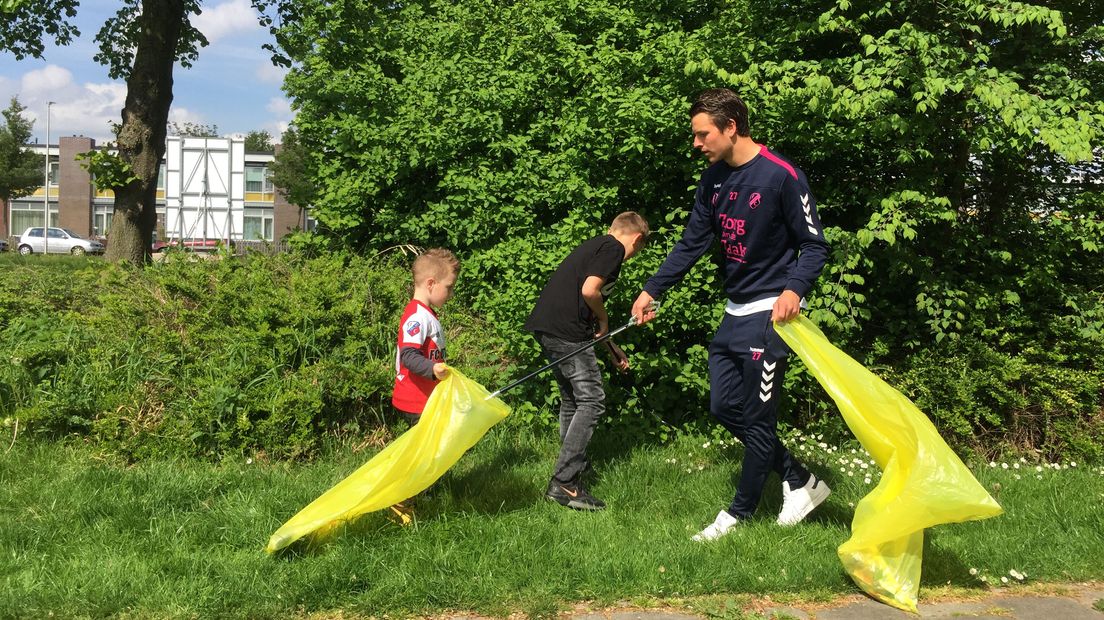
[{"x": 142, "y": 135}]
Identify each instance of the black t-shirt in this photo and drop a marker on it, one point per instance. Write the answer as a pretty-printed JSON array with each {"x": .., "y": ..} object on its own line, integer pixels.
[{"x": 561, "y": 310}]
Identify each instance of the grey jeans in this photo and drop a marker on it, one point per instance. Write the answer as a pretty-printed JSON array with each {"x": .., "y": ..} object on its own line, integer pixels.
[{"x": 582, "y": 402}]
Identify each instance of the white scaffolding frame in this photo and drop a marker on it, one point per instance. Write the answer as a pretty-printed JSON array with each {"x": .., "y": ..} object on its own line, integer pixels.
[{"x": 204, "y": 189}]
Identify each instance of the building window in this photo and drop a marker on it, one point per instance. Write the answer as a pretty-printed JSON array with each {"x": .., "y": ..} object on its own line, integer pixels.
[
  {"x": 254, "y": 179},
  {"x": 101, "y": 220},
  {"x": 161, "y": 178},
  {"x": 54, "y": 168},
  {"x": 258, "y": 184},
  {"x": 23, "y": 215},
  {"x": 257, "y": 225}
]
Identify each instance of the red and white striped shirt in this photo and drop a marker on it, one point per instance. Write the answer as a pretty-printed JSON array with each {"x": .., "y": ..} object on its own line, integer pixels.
[{"x": 419, "y": 328}]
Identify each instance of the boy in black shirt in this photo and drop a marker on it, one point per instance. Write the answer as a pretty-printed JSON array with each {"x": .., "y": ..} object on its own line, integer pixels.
[{"x": 569, "y": 313}]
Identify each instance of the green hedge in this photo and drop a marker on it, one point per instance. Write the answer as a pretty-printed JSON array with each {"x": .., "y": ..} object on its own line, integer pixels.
[
  {"x": 210, "y": 357},
  {"x": 955, "y": 191},
  {"x": 276, "y": 354}
]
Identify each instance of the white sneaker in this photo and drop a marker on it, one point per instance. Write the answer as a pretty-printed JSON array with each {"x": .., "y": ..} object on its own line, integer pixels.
[
  {"x": 796, "y": 505},
  {"x": 723, "y": 523}
]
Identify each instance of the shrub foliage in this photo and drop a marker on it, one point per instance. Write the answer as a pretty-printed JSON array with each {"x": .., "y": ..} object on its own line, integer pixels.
[
  {"x": 951, "y": 148},
  {"x": 209, "y": 357},
  {"x": 954, "y": 149}
]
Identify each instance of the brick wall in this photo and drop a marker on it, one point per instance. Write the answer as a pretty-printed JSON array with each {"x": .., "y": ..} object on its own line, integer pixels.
[
  {"x": 286, "y": 217},
  {"x": 75, "y": 186}
]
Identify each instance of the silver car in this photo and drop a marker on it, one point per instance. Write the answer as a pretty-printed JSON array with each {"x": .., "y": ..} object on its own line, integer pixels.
[{"x": 61, "y": 241}]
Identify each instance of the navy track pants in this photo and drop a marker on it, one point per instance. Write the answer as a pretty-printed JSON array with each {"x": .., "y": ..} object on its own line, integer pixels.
[{"x": 747, "y": 363}]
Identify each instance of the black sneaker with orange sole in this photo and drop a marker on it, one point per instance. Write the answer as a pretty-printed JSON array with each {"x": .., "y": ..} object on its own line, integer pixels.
[{"x": 573, "y": 496}]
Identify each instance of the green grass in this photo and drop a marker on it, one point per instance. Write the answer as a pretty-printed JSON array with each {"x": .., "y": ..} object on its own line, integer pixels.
[
  {"x": 57, "y": 262},
  {"x": 85, "y": 535}
]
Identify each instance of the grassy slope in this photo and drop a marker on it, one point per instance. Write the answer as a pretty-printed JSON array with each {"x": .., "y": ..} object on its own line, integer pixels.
[{"x": 83, "y": 535}]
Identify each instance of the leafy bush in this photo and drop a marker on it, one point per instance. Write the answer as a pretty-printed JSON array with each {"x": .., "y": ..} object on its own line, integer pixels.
[
  {"x": 211, "y": 357},
  {"x": 952, "y": 168}
]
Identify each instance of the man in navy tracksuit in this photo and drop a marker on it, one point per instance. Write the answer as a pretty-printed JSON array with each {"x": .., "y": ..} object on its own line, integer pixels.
[{"x": 773, "y": 249}]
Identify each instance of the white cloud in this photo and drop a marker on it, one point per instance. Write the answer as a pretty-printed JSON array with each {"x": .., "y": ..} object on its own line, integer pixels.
[
  {"x": 46, "y": 80},
  {"x": 269, "y": 73},
  {"x": 279, "y": 106},
  {"x": 280, "y": 109},
  {"x": 276, "y": 129},
  {"x": 95, "y": 109},
  {"x": 183, "y": 115},
  {"x": 234, "y": 17},
  {"x": 86, "y": 109}
]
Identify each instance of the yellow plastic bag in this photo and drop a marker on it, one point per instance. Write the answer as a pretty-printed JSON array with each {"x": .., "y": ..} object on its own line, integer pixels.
[
  {"x": 923, "y": 482},
  {"x": 456, "y": 416}
]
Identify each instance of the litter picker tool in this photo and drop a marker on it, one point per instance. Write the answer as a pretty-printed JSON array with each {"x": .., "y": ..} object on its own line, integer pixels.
[{"x": 652, "y": 307}]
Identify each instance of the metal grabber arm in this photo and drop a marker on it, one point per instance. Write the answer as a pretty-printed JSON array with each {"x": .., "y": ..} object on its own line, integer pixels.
[{"x": 653, "y": 306}]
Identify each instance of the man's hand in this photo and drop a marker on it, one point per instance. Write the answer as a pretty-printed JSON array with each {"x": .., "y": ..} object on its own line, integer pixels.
[
  {"x": 786, "y": 307},
  {"x": 620, "y": 360},
  {"x": 641, "y": 308},
  {"x": 440, "y": 371}
]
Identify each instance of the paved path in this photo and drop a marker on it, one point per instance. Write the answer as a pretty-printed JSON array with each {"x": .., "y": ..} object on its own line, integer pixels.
[{"x": 1076, "y": 603}]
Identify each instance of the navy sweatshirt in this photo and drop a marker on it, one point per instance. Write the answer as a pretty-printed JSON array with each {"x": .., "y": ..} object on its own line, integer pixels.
[{"x": 765, "y": 216}]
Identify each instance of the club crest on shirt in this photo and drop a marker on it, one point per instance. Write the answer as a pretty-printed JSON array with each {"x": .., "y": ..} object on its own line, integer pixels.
[{"x": 412, "y": 328}]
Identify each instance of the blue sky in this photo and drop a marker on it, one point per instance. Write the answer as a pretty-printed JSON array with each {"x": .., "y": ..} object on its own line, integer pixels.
[{"x": 233, "y": 85}]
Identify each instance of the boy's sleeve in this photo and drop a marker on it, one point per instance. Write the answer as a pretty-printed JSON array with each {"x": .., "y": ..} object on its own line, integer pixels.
[
  {"x": 799, "y": 212},
  {"x": 695, "y": 240},
  {"x": 413, "y": 331},
  {"x": 412, "y": 337},
  {"x": 416, "y": 362}
]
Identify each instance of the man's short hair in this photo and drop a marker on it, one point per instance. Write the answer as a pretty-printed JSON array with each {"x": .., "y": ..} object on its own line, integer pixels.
[
  {"x": 630, "y": 222},
  {"x": 436, "y": 263},
  {"x": 723, "y": 105}
]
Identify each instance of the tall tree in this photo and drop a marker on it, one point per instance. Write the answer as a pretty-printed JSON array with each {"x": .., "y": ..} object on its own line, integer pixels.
[
  {"x": 21, "y": 170},
  {"x": 291, "y": 170},
  {"x": 258, "y": 141},
  {"x": 192, "y": 130},
  {"x": 25, "y": 26},
  {"x": 141, "y": 44}
]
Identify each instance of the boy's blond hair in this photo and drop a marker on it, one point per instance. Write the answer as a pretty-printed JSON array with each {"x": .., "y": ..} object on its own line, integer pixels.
[
  {"x": 630, "y": 222},
  {"x": 436, "y": 263}
]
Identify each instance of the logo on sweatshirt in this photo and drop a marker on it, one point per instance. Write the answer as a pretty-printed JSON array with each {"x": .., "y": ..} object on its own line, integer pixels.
[
  {"x": 807, "y": 208},
  {"x": 754, "y": 200},
  {"x": 413, "y": 328},
  {"x": 732, "y": 229},
  {"x": 732, "y": 226}
]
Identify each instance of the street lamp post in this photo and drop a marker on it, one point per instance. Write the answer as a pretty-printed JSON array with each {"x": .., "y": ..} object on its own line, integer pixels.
[{"x": 46, "y": 187}]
